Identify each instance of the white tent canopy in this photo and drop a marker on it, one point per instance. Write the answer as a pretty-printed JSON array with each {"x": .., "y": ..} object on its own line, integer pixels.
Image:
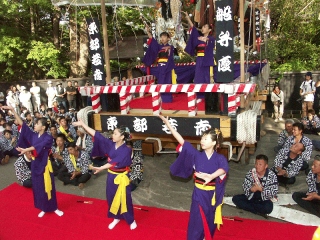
[{"x": 149, "y": 3}]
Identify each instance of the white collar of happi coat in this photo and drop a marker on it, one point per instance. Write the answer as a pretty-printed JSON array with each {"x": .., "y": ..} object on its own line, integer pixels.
[{"x": 26, "y": 158}]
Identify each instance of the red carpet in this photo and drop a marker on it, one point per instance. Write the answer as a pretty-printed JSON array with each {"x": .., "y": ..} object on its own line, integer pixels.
[
  {"x": 180, "y": 102},
  {"x": 19, "y": 220}
]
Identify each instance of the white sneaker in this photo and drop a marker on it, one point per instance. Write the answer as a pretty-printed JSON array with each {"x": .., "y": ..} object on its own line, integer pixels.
[
  {"x": 276, "y": 120},
  {"x": 280, "y": 119}
]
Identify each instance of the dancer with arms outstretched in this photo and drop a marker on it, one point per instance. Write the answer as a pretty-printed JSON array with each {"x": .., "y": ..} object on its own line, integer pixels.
[
  {"x": 118, "y": 183},
  {"x": 39, "y": 143},
  {"x": 210, "y": 172}
]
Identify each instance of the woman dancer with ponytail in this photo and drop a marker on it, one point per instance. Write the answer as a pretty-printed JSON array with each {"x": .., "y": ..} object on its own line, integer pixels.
[
  {"x": 210, "y": 172},
  {"x": 204, "y": 46},
  {"x": 119, "y": 160}
]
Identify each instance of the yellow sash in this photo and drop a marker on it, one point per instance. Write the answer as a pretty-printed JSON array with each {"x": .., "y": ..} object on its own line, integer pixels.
[
  {"x": 47, "y": 178},
  {"x": 218, "y": 214},
  {"x": 211, "y": 75},
  {"x": 174, "y": 79},
  {"x": 73, "y": 160},
  {"x": 200, "y": 54},
  {"x": 121, "y": 197},
  {"x": 66, "y": 134},
  {"x": 163, "y": 60}
]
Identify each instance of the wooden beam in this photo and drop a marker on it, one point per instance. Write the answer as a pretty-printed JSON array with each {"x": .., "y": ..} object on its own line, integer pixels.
[{"x": 105, "y": 40}]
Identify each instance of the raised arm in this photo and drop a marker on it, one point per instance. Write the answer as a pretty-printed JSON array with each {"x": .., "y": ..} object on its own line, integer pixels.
[
  {"x": 16, "y": 115},
  {"x": 173, "y": 131},
  {"x": 89, "y": 130},
  {"x": 188, "y": 19},
  {"x": 148, "y": 32}
]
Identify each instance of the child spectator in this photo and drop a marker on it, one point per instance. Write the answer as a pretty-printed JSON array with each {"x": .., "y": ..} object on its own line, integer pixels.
[
  {"x": 311, "y": 123},
  {"x": 7, "y": 144}
]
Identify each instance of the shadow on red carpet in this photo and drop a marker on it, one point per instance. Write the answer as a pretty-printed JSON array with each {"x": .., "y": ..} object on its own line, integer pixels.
[{"x": 19, "y": 220}]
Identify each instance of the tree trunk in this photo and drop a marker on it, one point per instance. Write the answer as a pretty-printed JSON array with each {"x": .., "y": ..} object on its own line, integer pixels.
[
  {"x": 32, "y": 22},
  {"x": 73, "y": 44},
  {"x": 55, "y": 26},
  {"x": 84, "y": 50}
]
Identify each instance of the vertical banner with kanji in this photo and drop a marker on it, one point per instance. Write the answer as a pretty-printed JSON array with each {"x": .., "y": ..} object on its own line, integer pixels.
[
  {"x": 96, "y": 53},
  {"x": 224, "y": 40},
  {"x": 257, "y": 26}
]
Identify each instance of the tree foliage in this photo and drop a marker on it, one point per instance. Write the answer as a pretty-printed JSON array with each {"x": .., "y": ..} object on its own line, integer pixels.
[{"x": 295, "y": 35}]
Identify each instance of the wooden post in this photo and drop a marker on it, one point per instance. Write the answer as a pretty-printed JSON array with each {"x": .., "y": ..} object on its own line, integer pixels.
[
  {"x": 242, "y": 72},
  {"x": 105, "y": 41}
]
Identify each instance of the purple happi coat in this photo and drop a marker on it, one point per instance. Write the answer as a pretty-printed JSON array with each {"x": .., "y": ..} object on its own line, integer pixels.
[
  {"x": 164, "y": 73},
  {"x": 42, "y": 147},
  {"x": 203, "y": 63},
  {"x": 189, "y": 160},
  {"x": 120, "y": 159}
]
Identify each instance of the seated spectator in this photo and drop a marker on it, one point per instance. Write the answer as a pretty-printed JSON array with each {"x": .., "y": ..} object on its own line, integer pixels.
[
  {"x": 311, "y": 200},
  {"x": 68, "y": 130},
  {"x": 311, "y": 123},
  {"x": 43, "y": 110},
  {"x": 7, "y": 144},
  {"x": 287, "y": 132},
  {"x": 59, "y": 153},
  {"x": 260, "y": 189},
  {"x": 84, "y": 142},
  {"x": 55, "y": 107},
  {"x": 288, "y": 163},
  {"x": 9, "y": 116},
  {"x": 15, "y": 127},
  {"x": 72, "y": 115},
  {"x": 50, "y": 114},
  {"x": 77, "y": 163},
  {"x": 29, "y": 121},
  {"x": 23, "y": 169},
  {"x": 53, "y": 132},
  {"x": 62, "y": 112},
  {"x": 37, "y": 116},
  {"x": 296, "y": 137},
  {"x": 24, "y": 110},
  {"x": 4, "y": 159}
]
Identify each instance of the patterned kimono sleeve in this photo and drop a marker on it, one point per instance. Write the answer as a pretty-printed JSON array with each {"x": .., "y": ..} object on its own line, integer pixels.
[
  {"x": 282, "y": 138},
  {"x": 84, "y": 162},
  {"x": 281, "y": 157},
  {"x": 69, "y": 164},
  {"x": 270, "y": 189},
  {"x": 73, "y": 132},
  {"x": 89, "y": 144},
  {"x": 294, "y": 167},
  {"x": 247, "y": 184},
  {"x": 317, "y": 121},
  {"x": 311, "y": 181},
  {"x": 306, "y": 154},
  {"x": 289, "y": 142},
  {"x": 5, "y": 144}
]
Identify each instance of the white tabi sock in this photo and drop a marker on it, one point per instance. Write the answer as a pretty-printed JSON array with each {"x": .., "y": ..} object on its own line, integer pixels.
[
  {"x": 41, "y": 214},
  {"x": 133, "y": 225},
  {"x": 58, "y": 212},
  {"x": 114, "y": 223}
]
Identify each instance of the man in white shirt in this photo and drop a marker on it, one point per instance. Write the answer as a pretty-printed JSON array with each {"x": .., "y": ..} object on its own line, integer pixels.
[
  {"x": 35, "y": 96},
  {"x": 2, "y": 98},
  {"x": 25, "y": 99},
  {"x": 51, "y": 93},
  {"x": 307, "y": 90}
]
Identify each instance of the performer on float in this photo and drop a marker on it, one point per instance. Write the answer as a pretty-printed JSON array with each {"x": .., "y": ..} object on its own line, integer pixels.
[
  {"x": 118, "y": 197},
  {"x": 204, "y": 46},
  {"x": 210, "y": 172},
  {"x": 39, "y": 144},
  {"x": 163, "y": 53}
]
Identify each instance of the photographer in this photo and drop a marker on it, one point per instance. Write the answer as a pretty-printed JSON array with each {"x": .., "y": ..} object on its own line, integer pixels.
[{"x": 277, "y": 100}]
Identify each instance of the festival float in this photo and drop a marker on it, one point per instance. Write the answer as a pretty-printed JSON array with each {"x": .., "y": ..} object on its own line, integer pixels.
[{"x": 233, "y": 99}]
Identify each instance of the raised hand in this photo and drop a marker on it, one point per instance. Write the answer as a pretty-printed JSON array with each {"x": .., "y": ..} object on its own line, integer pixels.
[
  {"x": 79, "y": 123},
  {"x": 7, "y": 108}
]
